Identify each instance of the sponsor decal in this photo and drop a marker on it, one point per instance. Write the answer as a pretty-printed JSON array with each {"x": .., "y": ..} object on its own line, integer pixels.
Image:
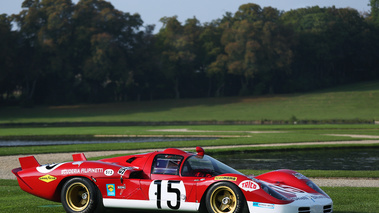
[
  {"x": 308, "y": 197},
  {"x": 108, "y": 172},
  {"x": 249, "y": 185},
  {"x": 226, "y": 178},
  {"x": 48, "y": 167},
  {"x": 121, "y": 187},
  {"x": 47, "y": 178},
  {"x": 123, "y": 170},
  {"x": 264, "y": 205},
  {"x": 111, "y": 190},
  {"x": 81, "y": 171}
]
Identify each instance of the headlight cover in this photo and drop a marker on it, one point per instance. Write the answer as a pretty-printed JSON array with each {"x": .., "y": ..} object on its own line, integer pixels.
[
  {"x": 272, "y": 192},
  {"x": 316, "y": 188}
]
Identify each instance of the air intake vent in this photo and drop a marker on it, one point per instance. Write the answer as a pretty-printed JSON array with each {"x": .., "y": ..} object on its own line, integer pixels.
[
  {"x": 130, "y": 160},
  {"x": 328, "y": 209},
  {"x": 304, "y": 210}
]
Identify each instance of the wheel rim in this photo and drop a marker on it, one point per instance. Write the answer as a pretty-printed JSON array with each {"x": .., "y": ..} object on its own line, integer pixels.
[
  {"x": 77, "y": 196},
  {"x": 223, "y": 199}
]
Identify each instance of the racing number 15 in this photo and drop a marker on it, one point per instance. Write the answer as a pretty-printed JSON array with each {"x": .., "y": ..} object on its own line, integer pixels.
[{"x": 167, "y": 189}]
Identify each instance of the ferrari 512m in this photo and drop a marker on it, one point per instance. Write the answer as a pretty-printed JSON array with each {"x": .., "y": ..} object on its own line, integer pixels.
[{"x": 168, "y": 180}]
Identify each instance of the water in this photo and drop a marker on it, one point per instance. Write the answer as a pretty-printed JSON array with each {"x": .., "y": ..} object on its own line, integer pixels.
[
  {"x": 321, "y": 159},
  {"x": 123, "y": 140}
]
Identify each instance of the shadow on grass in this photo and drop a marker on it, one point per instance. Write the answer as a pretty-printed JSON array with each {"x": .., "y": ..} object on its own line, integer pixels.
[{"x": 347, "y": 212}]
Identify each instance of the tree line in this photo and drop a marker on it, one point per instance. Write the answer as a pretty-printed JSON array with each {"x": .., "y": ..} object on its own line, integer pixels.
[{"x": 90, "y": 52}]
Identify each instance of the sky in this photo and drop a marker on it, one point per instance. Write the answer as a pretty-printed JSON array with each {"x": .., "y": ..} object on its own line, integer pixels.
[{"x": 204, "y": 10}]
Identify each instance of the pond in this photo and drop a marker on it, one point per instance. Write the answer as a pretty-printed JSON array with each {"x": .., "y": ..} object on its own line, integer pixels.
[
  {"x": 121, "y": 140},
  {"x": 319, "y": 159}
]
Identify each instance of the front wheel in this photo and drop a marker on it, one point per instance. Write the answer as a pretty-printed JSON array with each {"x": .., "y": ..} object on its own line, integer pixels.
[
  {"x": 225, "y": 197},
  {"x": 79, "y": 196}
]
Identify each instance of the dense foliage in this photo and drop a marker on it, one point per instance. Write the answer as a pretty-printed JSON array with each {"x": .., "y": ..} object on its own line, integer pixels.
[{"x": 65, "y": 53}]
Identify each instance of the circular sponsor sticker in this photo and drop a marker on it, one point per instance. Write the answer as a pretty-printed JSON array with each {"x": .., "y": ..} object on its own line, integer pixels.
[{"x": 108, "y": 172}]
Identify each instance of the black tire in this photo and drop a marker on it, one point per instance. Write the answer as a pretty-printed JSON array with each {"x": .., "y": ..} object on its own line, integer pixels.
[
  {"x": 225, "y": 197},
  {"x": 79, "y": 195}
]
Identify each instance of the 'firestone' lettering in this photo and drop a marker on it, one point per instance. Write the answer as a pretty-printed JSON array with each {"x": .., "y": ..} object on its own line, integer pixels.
[{"x": 226, "y": 178}]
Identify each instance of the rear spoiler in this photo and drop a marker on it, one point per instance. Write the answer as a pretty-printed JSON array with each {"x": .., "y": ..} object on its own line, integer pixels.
[
  {"x": 28, "y": 162},
  {"x": 79, "y": 157},
  {"x": 31, "y": 162}
]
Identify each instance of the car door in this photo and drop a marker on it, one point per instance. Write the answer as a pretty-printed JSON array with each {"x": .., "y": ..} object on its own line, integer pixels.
[{"x": 166, "y": 189}]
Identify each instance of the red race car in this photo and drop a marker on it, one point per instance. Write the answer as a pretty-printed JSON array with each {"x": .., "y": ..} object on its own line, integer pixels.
[{"x": 168, "y": 180}]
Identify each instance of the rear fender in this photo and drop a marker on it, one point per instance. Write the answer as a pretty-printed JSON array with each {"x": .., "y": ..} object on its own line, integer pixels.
[
  {"x": 23, "y": 185},
  {"x": 26, "y": 163},
  {"x": 57, "y": 193}
]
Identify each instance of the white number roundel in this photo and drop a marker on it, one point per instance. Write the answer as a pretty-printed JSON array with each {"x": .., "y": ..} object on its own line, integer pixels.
[
  {"x": 168, "y": 194},
  {"x": 109, "y": 172}
]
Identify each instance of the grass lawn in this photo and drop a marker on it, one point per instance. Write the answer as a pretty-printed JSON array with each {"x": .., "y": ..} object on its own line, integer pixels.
[
  {"x": 225, "y": 136},
  {"x": 346, "y": 200},
  {"x": 353, "y": 199},
  {"x": 353, "y": 102},
  {"x": 358, "y": 101}
]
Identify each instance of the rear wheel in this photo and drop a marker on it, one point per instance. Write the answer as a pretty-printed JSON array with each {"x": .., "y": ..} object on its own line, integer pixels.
[
  {"x": 79, "y": 195},
  {"x": 225, "y": 197}
]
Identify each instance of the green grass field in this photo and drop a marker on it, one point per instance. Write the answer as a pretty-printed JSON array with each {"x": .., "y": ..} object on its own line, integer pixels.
[
  {"x": 358, "y": 101},
  {"x": 354, "y": 102},
  {"x": 226, "y": 135}
]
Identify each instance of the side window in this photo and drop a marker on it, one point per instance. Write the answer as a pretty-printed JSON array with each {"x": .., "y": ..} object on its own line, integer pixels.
[
  {"x": 166, "y": 164},
  {"x": 197, "y": 167}
]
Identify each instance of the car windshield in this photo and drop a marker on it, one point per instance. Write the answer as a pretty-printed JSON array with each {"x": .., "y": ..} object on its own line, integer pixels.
[{"x": 205, "y": 166}]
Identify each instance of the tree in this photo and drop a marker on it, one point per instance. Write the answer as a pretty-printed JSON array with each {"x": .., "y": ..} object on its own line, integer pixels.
[
  {"x": 45, "y": 29},
  {"x": 147, "y": 78},
  {"x": 374, "y": 11},
  {"x": 178, "y": 52},
  {"x": 329, "y": 42},
  {"x": 76, "y": 52},
  {"x": 8, "y": 62},
  {"x": 104, "y": 44},
  {"x": 211, "y": 48},
  {"x": 92, "y": 52},
  {"x": 253, "y": 44}
]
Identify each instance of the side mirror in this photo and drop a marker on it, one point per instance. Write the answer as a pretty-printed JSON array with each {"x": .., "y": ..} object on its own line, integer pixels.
[{"x": 200, "y": 151}]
